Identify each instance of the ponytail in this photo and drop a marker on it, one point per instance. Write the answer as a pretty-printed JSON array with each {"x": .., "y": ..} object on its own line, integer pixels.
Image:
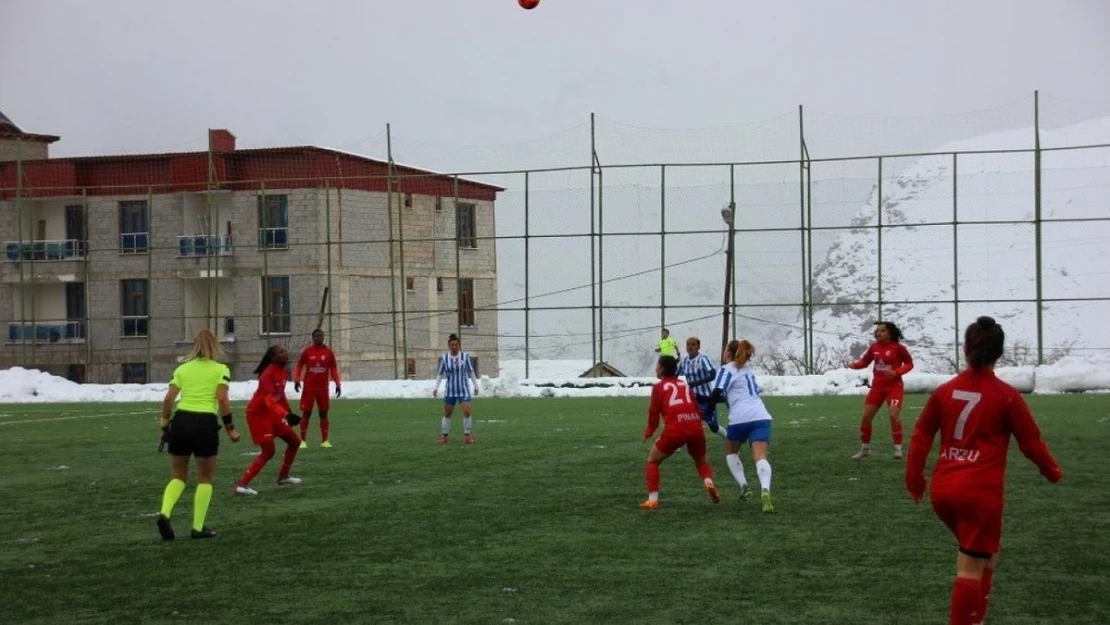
[{"x": 740, "y": 352}]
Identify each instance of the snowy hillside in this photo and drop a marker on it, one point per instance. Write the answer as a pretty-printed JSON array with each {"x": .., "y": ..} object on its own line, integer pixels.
[{"x": 996, "y": 262}]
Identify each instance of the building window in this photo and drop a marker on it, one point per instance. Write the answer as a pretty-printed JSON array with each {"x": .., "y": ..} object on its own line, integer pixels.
[
  {"x": 439, "y": 204},
  {"x": 134, "y": 373},
  {"x": 408, "y": 200},
  {"x": 410, "y": 284},
  {"x": 75, "y": 310},
  {"x": 273, "y": 222},
  {"x": 474, "y": 363},
  {"x": 439, "y": 285},
  {"x": 466, "y": 301},
  {"x": 134, "y": 307},
  {"x": 276, "y": 313},
  {"x": 467, "y": 231},
  {"x": 410, "y": 368},
  {"x": 134, "y": 227}
]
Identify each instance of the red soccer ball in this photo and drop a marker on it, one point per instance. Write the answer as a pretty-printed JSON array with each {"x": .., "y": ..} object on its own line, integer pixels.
[{"x": 529, "y": 4}]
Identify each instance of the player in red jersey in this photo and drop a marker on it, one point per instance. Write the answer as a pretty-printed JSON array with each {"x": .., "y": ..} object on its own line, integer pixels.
[
  {"x": 269, "y": 417},
  {"x": 672, "y": 401},
  {"x": 975, "y": 413},
  {"x": 892, "y": 361},
  {"x": 318, "y": 363}
]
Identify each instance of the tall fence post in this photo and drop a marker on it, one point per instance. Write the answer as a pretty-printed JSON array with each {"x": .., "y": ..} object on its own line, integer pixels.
[
  {"x": 807, "y": 314},
  {"x": 956, "y": 258},
  {"x": 327, "y": 236},
  {"x": 1037, "y": 223},
  {"x": 389, "y": 224},
  {"x": 458, "y": 262},
  {"x": 600, "y": 261},
  {"x": 88, "y": 281},
  {"x": 879, "y": 231},
  {"x": 265, "y": 239},
  {"x": 527, "y": 273},
  {"x": 732, "y": 203},
  {"x": 22, "y": 271},
  {"x": 150, "y": 249},
  {"x": 593, "y": 252},
  {"x": 662, "y": 246}
]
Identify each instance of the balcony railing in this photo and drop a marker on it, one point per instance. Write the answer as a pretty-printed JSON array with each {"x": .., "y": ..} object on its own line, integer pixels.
[
  {"x": 61, "y": 249},
  {"x": 134, "y": 325},
  {"x": 273, "y": 238},
  {"x": 47, "y": 331},
  {"x": 134, "y": 243},
  {"x": 204, "y": 245}
]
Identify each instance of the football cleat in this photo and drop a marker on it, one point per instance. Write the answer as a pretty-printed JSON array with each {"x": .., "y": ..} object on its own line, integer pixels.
[
  {"x": 468, "y": 439},
  {"x": 304, "y": 444},
  {"x": 745, "y": 492},
  {"x": 650, "y": 504},
  {"x": 289, "y": 479},
  {"x": 765, "y": 498},
  {"x": 244, "y": 490},
  {"x": 711, "y": 490},
  {"x": 863, "y": 453},
  {"x": 897, "y": 454},
  {"x": 164, "y": 527},
  {"x": 204, "y": 532},
  {"x": 442, "y": 440},
  {"x": 325, "y": 445}
]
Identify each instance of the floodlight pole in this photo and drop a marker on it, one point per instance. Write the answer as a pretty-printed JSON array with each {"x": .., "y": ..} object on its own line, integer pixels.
[{"x": 728, "y": 214}]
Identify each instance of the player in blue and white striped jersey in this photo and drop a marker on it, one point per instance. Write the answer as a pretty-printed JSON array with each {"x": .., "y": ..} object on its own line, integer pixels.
[
  {"x": 699, "y": 372},
  {"x": 748, "y": 419},
  {"x": 456, "y": 367}
]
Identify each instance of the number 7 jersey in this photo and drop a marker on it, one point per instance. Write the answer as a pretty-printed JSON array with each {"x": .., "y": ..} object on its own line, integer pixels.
[{"x": 976, "y": 413}]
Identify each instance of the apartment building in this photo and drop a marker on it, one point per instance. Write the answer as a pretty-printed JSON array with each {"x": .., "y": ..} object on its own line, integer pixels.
[{"x": 113, "y": 263}]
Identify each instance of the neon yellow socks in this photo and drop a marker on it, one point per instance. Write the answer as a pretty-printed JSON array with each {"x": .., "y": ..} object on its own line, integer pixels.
[
  {"x": 200, "y": 505},
  {"x": 171, "y": 495}
]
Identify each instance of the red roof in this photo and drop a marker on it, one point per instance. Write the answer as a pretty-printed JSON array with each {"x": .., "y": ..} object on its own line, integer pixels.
[{"x": 240, "y": 169}]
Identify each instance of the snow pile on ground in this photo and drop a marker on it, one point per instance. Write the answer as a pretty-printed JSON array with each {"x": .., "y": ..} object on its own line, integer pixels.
[{"x": 555, "y": 378}]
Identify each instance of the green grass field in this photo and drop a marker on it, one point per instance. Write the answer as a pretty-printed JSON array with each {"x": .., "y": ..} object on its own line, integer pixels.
[{"x": 537, "y": 523}]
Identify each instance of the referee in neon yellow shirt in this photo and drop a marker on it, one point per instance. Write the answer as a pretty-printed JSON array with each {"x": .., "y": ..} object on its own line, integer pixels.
[
  {"x": 667, "y": 345},
  {"x": 194, "y": 430}
]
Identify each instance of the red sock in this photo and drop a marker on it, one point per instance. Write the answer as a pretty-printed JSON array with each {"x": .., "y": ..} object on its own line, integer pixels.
[
  {"x": 259, "y": 461},
  {"x": 705, "y": 471},
  {"x": 292, "y": 445},
  {"x": 304, "y": 427},
  {"x": 967, "y": 597},
  {"x": 896, "y": 432},
  {"x": 653, "y": 477},
  {"x": 988, "y": 585},
  {"x": 324, "y": 423},
  {"x": 865, "y": 433}
]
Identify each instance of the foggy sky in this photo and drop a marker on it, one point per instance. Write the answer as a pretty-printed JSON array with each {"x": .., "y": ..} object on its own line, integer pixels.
[{"x": 115, "y": 76}]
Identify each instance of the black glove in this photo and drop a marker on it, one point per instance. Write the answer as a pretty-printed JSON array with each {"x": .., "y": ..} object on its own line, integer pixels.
[
  {"x": 292, "y": 419},
  {"x": 338, "y": 390},
  {"x": 296, "y": 387},
  {"x": 165, "y": 438}
]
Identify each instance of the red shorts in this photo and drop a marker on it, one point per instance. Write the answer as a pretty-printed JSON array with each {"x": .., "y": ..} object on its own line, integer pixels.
[
  {"x": 670, "y": 442},
  {"x": 891, "y": 395},
  {"x": 319, "y": 396},
  {"x": 265, "y": 427},
  {"x": 976, "y": 525}
]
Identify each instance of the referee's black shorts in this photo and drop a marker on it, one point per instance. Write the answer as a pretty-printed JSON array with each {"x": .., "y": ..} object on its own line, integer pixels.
[{"x": 194, "y": 434}]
